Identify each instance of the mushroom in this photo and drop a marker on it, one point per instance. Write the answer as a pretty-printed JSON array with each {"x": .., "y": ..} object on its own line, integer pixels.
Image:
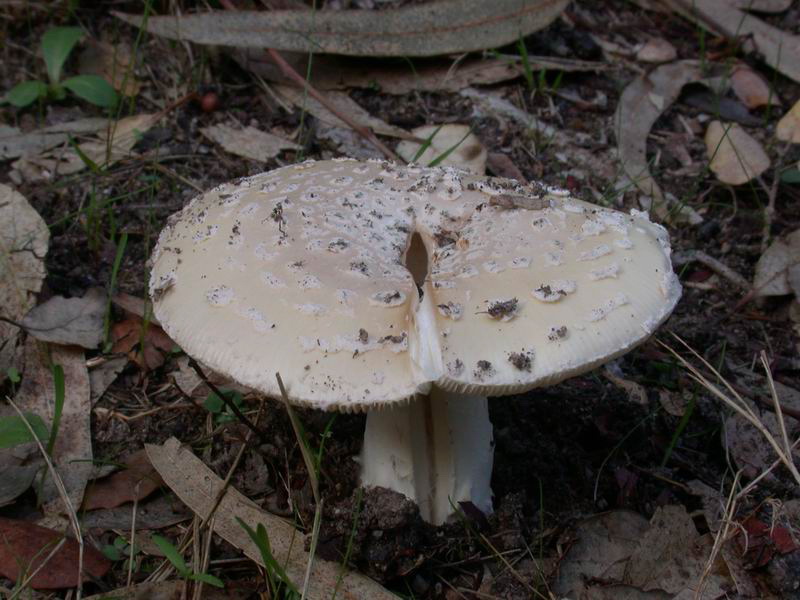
[{"x": 411, "y": 293}]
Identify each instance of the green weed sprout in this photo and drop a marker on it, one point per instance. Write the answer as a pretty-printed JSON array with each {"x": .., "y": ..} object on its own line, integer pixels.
[
  {"x": 57, "y": 45},
  {"x": 174, "y": 557}
]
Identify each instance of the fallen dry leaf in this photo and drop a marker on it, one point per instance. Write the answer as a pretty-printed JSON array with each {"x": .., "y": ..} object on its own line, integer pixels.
[
  {"x": 641, "y": 104},
  {"x": 449, "y": 27},
  {"x": 137, "y": 480},
  {"x": 748, "y": 446},
  {"x": 198, "y": 486},
  {"x": 751, "y": 88},
  {"x": 145, "y": 345},
  {"x": 656, "y": 50},
  {"x": 24, "y": 239},
  {"x": 788, "y": 129},
  {"x": 165, "y": 590},
  {"x": 104, "y": 374},
  {"x": 69, "y": 321},
  {"x": 759, "y": 541},
  {"x": 772, "y": 270},
  {"x": 779, "y": 49},
  {"x": 736, "y": 157},
  {"x": 14, "y": 143},
  {"x": 437, "y": 75},
  {"x": 158, "y": 513},
  {"x": 769, "y": 6},
  {"x": 671, "y": 556},
  {"x": 25, "y": 546},
  {"x": 248, "y": 142},
  {"x": 602, "y": 545},
  {"x": 344, "y": 104},
  {"x": 465, "y": 149},
  {"x": 622, "y": 553},
  {"x": 72, "y": 452},
  {"x": 112, "y": 62},
  {"x": 116, "y": 142}
]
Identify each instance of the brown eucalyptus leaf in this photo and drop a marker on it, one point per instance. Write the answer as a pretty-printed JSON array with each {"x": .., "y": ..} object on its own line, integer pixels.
[
  {"x": 788, "y": 129},
  {"x": 248, "y": 142},
  {"x": 778, "y": 48},
  {"x": 736, "y": 157},
  {"x": 25, "y": 546},
  {"x": 137, "y": 480},
  {"x": 641, "y": 103},
  {"x": 198, "y": 486},
  {"x": 434, "y": 28}
]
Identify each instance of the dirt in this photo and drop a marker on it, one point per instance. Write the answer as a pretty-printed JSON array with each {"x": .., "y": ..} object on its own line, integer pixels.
[{"x": 562, "y": 453}]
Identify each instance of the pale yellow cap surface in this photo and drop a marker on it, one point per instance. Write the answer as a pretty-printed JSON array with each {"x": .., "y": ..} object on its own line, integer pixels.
[{"x": 302, "y": 271}]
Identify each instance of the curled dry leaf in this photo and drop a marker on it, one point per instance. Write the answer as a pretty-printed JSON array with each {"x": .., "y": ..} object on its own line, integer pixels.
[
  {"x": 249, "y": 142},
  {"x": 462, "y": 148},
  {"x": 24, "y": 239},
  {"x": 736, "y": 157},
  {"x": 198, "y": 486},
  {"x": 137, "y": 480},
  {"x": 641, "y": 103},
  {"x": 69, "y": 321},
  {"x": 430, "y": 29},
  {"x": 788, "y": 129},
  {"x": 25, "y": 547}
]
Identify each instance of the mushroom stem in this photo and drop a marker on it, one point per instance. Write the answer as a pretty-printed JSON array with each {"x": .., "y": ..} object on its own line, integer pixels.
[{"x": 437, "y": 450}]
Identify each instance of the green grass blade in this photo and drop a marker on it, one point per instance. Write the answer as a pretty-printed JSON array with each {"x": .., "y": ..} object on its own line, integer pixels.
[
  {"x": 172, "y": 555},
  {"x": 59, "y": 389}
]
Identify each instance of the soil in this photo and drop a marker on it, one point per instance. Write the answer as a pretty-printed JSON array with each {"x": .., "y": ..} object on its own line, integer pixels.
[{"x": 562, "y": 453}]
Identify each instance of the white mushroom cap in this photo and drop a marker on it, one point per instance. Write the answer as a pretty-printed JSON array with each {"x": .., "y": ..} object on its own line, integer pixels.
[{"x": 302, "y": 271}]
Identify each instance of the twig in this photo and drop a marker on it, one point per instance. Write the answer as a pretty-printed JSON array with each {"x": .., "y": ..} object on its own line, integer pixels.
[
  {"x": 165, "y": 568},
  {"x": 720, "y": 538},
  {"x": 736, "y": 402},
  {"x": 289, "y": 72},
  {"x": 686, "y": 256},
  {"x": 364, "y": 132}
]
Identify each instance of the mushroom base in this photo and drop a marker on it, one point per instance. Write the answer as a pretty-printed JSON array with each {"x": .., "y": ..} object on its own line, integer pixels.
[{"x": 437, "y": 450}]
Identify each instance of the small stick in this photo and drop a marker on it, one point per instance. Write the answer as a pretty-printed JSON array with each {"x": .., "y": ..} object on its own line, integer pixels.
[
  {"x": 682, "y": 257},
  {"x": 289, "y": 72}
]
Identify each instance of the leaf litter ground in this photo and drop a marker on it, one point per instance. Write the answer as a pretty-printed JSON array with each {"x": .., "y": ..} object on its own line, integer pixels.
[{"x": 564, "y": 455}]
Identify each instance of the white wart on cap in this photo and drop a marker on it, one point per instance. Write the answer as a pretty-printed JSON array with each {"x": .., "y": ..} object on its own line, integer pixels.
[{"x": 302, "y": 271}]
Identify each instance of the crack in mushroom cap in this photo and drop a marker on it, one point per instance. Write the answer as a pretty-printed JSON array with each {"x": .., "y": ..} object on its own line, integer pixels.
[{"x": 301, "y": 271}]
